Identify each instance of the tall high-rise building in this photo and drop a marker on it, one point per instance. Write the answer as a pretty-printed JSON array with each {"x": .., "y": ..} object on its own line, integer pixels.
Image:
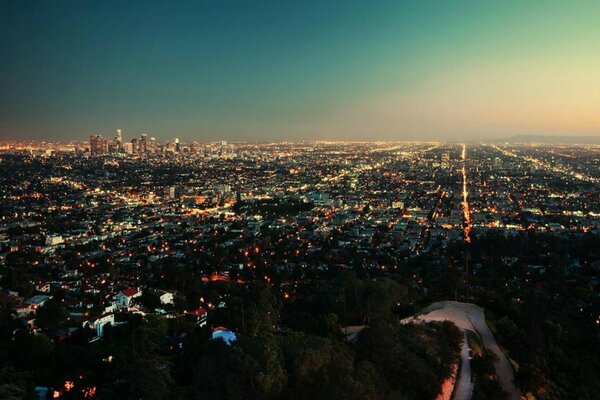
[
  {"x": 103, "y": 145},
  {"x": 177, "y": 146},
  {"x": 143, "y": 147},
  {"x": 98, "y": 145},
  {"x": 93, "y": 144},
  {"x": 135, "y": 149},
  {"x": 119, "y": 141},
  {"x": 113, "y": 148},
  {"x": 127, "y": 148}
]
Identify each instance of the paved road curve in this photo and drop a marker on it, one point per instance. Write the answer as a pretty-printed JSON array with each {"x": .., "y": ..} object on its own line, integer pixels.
[
  {"x": 469, "y": 316},
  {"x": 503, "y": 368},
  {"x": 464, "y": 386}
]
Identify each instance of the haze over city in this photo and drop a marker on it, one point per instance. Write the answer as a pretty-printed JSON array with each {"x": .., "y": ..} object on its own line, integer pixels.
[{"x": 314, "y": 70}]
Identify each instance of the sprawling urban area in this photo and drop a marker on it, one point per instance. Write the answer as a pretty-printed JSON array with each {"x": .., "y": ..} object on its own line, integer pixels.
[{"x": 131, "y": 268}]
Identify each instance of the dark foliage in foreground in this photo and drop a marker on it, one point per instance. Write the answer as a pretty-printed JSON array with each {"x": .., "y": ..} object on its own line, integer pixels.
[{"x": 385, "y": 360}]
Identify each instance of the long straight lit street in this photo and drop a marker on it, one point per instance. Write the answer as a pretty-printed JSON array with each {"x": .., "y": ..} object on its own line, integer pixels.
[{"x": 465, "y": 196}]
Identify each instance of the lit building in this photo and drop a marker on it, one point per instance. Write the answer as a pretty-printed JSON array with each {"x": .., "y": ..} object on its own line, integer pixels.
[
  {"x": 98, "y": 145},
  {"x": 134, "y": 146},
  {"x": 143, "y": 148},
  {"x": 119, "y": 140}
]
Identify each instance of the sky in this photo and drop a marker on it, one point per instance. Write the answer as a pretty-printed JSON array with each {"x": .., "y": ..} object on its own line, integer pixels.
[{"x": 299, "y": 70}]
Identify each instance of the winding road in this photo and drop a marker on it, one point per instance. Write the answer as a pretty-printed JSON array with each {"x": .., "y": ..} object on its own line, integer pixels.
[
  {"x": 464, "y": 386},
  {"x": 467, "y": 316}
]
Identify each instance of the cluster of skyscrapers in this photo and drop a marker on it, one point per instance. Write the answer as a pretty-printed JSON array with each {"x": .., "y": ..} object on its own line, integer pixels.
[{"x": 100, "y": 145}]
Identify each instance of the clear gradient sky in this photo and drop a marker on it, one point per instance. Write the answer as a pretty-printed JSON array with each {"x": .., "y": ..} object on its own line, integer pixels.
[{"x": 294, "y": 70}]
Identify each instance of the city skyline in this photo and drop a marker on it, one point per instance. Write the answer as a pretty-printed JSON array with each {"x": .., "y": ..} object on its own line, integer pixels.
[{"x": 272, "y": 72}]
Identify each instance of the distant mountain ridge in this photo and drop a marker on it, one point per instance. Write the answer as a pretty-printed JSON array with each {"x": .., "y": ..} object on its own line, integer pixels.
[{"x": 548, "y": 139}]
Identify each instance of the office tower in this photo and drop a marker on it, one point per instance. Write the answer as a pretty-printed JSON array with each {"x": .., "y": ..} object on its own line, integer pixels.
[
  {"x": 177, "y": 146},
  {"x": 152, "y": 146},
  {"x": 113, "y": 147},
  {"x": 119, "y": 140},
  {"x": 98, "y": 145},
  {"x": 134, "y": 146},
  {"x": 143, "y": 146},
  {"x": 103, "y": 143},
  {"x": 93, "y": 144},
  {"x": 127, "y": 148}
]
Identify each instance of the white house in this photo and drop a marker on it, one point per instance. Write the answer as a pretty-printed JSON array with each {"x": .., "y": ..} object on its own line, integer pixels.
[
  {"x": 100, "y": 322},
  {"x": 124, "y": 299},
  {"x": 165, "y": 297}
]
